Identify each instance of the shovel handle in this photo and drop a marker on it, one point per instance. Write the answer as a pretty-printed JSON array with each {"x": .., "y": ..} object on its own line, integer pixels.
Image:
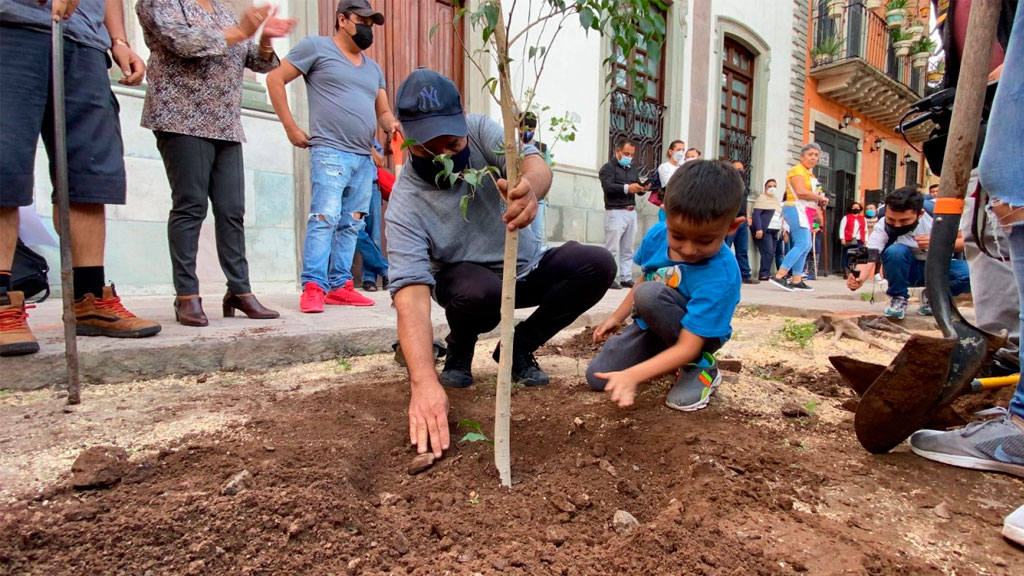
[{"x": 982, "y": 384}]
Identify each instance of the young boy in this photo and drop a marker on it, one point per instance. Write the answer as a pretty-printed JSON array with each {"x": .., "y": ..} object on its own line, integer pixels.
[{"x": 682, "y": 307}]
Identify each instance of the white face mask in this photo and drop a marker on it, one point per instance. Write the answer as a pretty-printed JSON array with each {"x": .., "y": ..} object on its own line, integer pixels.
[
  {"x": 772, "y": 191},
  {"x": 678, "y": 157}
]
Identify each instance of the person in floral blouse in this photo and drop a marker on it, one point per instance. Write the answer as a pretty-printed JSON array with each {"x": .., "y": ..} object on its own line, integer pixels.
[{"x": 198, "y": 51}]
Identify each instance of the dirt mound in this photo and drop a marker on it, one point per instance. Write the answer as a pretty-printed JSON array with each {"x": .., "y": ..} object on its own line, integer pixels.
[
  {"x": 580, "y": 345},
  {"x": 329, "y": 494},
  {"x": 826, "y": 382}
]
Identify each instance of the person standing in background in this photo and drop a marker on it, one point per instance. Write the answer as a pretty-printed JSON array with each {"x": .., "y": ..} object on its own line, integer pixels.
[
  {"x": 347, "y": 103},
  {"x": 852, "y": 232},
  {"x": 676, "y": 156},
  {"x": 692, "y": 154},
  {"x": 801, "y": 193},
  {"x": 766, "y": 207},
  {"x": 620, "y": 182},
  {"x": 528, "y": 133},
  {"x": 740, "y": 240},
  {"x": 368, "y": 244}
]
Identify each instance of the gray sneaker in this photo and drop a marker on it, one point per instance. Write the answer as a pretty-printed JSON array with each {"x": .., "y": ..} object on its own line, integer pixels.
[
  {"x": 694, "y": 386},
  {"x": 1013, "y": 526},
  {"x": 996, "y": 444}
]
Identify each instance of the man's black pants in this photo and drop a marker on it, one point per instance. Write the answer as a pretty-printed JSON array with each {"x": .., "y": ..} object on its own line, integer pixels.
[{"x": 567, "y": 282}]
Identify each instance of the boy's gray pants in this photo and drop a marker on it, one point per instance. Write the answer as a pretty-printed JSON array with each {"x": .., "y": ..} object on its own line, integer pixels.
[{"x": 662, "y": 308}]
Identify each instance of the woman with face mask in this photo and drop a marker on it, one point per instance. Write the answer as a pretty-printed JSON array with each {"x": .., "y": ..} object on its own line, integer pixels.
[
  {"x": 675, "y": 153},
  {"x": 766, "y": 238}
]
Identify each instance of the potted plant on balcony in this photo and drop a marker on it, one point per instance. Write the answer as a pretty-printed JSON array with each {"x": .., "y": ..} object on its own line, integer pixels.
[
  {"x": 895, "y": 13},
  {"x": 936, "y": 74},
  {"x": 916, "y": 29},
  {"x": 921, "y": 51},
  {"x": 901, "y": 42},
  {"x": 835, "y": 8},
  {"x": 826, "y": 50},
  {"x": 872, "y": 4}
]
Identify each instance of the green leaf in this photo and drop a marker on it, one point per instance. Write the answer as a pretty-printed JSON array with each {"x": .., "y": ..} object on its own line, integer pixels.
[
  {"x": 452, "y": 178},
  {"x": 587, "y": 18},
  {"x": 458, "y": 15},
  {"x": 408, "y": 142},
  {"x": 433, "y": 30},
  {"x": 464, "y": 208},
  {"x": 531, "y": 52},
  {"x": 474, "y": 437}
]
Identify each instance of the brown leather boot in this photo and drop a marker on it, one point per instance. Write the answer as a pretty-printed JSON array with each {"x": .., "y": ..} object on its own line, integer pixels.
[
  {"x": 15, "y": 337},
  {"x": 189, "y": 312},
  {"x": 108, "y": 317},
  {"x": 247, "y": 304}
]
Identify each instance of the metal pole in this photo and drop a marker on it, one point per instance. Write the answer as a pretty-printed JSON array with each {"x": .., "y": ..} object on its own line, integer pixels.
[{"x": 64, "y": 213}]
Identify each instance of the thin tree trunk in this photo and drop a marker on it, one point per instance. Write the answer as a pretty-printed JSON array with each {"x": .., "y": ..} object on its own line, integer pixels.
[{"x": 503, "y": 399}]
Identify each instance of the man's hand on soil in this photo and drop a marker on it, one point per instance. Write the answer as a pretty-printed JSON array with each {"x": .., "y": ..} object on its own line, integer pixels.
[
  {"x": 622, "y": 386},
  {"x": 522, "y": 203},
  {"x": 428, "y": 418}
]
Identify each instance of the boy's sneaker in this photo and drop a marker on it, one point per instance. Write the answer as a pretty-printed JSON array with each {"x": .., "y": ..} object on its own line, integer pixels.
[
  {"x": 15, "y": 336},
  {"x": 108, "y": 317},
  {"x": 781, "y": 284},
  {"x": 996, "y": 444},
  {"x": 347, "y": 296},
  {"x": 1013, "y": 526},
  {"x": 457, "y": 371},
  {"x": 312, "y": 299},
  {"x": 926, "y": 305},
  {"x": 800, "y": 287},
  {"x": 694, "y": 386},
  {"x": 525, "y": 368},
  {"x": 897, "y": 308}
]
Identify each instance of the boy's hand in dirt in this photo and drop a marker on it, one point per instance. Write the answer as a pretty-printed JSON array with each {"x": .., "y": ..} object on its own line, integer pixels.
[
  {"x": 604, "y": 330},
  {"x": 428, "y": 419},
  {"x": 622, "y": 385}
]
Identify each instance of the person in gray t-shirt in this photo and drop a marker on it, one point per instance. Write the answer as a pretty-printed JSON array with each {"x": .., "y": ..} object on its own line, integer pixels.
[
  {"x": 346, "y": 104},
  {"x": 436, "y": 250}
]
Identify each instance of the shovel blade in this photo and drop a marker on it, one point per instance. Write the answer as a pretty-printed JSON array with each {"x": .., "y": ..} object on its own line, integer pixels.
[
  {"x": 858, "y": 374},
  {"x": 900, "y": 401}
]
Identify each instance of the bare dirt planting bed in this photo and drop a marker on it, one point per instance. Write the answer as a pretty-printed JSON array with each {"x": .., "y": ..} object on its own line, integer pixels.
[{"x": 738, "y": 488}]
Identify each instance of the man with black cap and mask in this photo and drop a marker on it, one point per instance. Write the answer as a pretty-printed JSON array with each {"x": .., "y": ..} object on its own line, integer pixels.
[
  {"x": 437, "y": 250},
  {"x": 347, "y": 102}
]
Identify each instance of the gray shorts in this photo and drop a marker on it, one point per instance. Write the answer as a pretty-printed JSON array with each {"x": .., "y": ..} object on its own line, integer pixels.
[{"x": 95, "y": 151}]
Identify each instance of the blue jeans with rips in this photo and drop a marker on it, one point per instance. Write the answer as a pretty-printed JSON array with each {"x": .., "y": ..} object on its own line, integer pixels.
[
  {"x": 368, "y": 244},
  {"x": 341, "y": 192},
  {"x": 904, "y": 271}
]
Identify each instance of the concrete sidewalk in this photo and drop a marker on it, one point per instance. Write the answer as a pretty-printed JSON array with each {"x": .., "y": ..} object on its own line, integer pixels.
[{"x": 239, "y": 343}]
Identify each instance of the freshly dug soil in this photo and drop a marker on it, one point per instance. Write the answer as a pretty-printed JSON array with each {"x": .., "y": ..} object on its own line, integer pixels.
[{"x": 736, "y": 489}]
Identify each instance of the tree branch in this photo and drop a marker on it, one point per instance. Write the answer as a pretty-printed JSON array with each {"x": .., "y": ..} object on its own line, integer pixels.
[{"x": 540, "y": 21}]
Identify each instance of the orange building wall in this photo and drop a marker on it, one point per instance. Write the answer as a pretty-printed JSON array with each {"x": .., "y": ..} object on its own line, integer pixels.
[{"x": 869, "y": 162}]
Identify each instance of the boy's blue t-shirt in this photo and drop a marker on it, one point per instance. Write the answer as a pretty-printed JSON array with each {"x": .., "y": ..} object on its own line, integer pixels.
[{"x": 712, "y": 287}]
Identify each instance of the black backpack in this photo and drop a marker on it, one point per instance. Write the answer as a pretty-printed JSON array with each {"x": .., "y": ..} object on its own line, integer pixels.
[{"x": 29, "y": 273}]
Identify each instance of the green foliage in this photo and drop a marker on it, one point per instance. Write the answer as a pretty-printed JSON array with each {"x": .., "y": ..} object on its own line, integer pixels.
[
  {"x": 900, "y": 35},
  {"x": 925, "y": 44},
  {"x": 799, "y": 332},
  {"x": 811, "y": 407},
  {"x": 344, "y": 364},
  {"x": 865, "y": 297},
  {"x": 477, "y": 434},
  {"x": 831, "y": 47},
  {"x": 896, "y": 4}
]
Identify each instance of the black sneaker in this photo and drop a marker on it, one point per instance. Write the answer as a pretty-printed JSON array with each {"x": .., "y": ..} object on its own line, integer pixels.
[
  {"x": 801, "y": 287},
  {"x": 781, "y": 284},
  {"x": 751, "y": 281},
  {"x": 626, "y": 284},
  {"x": 525, "y": 368},
  {"x": 615, "y": 286},
  {"x": 369, "y": 286},
  {"x": 457, "y": 371}
]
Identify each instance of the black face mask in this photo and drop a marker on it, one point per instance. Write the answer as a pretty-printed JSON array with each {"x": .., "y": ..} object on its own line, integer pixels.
[
  {"x": 363, "y": 36},
  {"x": 429, "y": 170},
  {"x": 855, "y": 211},
  {"x": 897, "y": 231}
]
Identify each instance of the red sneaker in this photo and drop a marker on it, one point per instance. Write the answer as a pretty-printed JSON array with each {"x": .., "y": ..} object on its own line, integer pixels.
[
  {"x": 347, "y": 296},
  {"x": 312, "y": 300}
]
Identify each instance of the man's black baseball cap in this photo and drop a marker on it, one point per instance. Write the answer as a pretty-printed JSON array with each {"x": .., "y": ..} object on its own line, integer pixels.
[
  {"x": 360, "y": 8},
  {"x": 429, "y": 105}
]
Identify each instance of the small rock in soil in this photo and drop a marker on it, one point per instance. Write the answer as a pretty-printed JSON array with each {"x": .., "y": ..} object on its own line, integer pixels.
[
  {"x": 401, "y": 544},
  {"x": 560, "y": 502},
  {"x": 237, "y": 483},
  {"x": 626, "y": 487},
  {"x": 446, "y": 543},
  {"x": 850, "y": 404},
  {"x": 421, "y": 463},
  {"x": 582, "y": 501},
  {"x": 499, "y": 564},
  {"x": 598, "y": 450},
  {"x": 269, "y": 448},
  {"x": 794, "y": 410},
  {"x": 578, "y": 422},
  {"x": 624, "y": 522},
  {"x": 556, "y": 535},
  {"x": 730, "y": 364},
  {"x": 607, "y": 467},
  {"x": 389, "y": 499},
  {"x": 691, "y": 439},
  {"x": 1000, "y": 562},
  {"x": 99, "y": 467},
  {"x": 942, "y": 511}
]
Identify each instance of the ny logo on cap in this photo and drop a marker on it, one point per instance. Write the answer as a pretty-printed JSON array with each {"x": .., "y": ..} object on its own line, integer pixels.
[{"x": 429, "y": 99}]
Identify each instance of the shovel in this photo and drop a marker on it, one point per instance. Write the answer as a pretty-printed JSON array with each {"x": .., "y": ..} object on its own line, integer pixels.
[
  {"x": 917, "y": 388},
  {"x": 60, "y": 160}
]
